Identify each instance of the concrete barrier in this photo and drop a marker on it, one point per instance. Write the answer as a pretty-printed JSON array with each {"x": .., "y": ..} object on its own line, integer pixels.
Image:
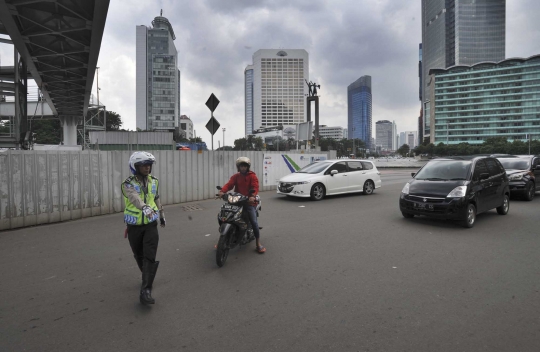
[{"x": 39, "y": 187}]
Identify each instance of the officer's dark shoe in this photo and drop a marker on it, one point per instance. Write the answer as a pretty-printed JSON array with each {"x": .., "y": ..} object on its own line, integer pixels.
[
  {"x": 146, "y": 296},
  {"x": 148, "y": 275}
]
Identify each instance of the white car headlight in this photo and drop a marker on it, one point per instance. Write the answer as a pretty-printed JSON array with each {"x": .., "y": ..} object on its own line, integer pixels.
[
  {"x": 458, "y": 192},
  {"x": 516, "y": 177},
  {"x": 405, "y": 189},
  {"x": 300, "y": 183}
]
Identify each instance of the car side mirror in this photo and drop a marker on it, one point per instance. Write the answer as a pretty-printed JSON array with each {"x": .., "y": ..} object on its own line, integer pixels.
[
  {"x": 484, "y": 176},
  {"x": 333, "y": 172},
  {"x": 413, "y": 173}
]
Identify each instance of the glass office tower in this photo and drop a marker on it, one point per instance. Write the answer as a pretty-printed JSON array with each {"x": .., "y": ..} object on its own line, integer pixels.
[
  {"x": 460, "y": 32},
  {"x": 157, "y": 77},
  {"x": 248, "y": 92},
  {"x": 359, "y": 110},
  {"x": 472, "y": 103}
]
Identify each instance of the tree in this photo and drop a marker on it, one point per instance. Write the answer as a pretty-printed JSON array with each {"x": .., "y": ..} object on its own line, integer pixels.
[
  {"x": 249, "y": 143},
  {"x": 113, "y": 121},
  {"x": 404, "y": 150},
  {"x": 48, "y": 131}
]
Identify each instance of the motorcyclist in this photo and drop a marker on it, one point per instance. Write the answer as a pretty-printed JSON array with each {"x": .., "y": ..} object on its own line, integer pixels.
[
  {"x": 242, "y": 182},
  {"x": 143, "y": 208}
]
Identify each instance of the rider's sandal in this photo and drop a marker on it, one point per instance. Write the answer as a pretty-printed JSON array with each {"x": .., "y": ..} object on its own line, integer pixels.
[{"x": 260, "y": 249}]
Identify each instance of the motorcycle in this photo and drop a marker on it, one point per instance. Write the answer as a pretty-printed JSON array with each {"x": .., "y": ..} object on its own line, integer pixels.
[{"x": 234, "y": 226}]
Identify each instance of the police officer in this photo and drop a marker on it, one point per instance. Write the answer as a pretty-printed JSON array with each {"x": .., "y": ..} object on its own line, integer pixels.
[{"x": 143, "y": 209}]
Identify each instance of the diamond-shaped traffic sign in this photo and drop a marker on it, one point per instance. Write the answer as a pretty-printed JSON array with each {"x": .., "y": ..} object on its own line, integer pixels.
[
  {"x": 212, "y": 102},
  {"x": 212, "y": 125}
]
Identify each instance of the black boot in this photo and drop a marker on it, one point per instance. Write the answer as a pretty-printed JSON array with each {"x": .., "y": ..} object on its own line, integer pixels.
[
  {"x": 139, "y": 261},
  {"x": 148, "y": 275}
]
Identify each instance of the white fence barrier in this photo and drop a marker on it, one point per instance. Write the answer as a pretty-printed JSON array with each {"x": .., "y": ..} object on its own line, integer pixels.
[{"x": 38, "y": 187}]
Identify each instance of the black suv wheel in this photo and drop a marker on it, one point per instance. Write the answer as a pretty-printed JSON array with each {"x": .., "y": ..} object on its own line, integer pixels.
[
  {"x": 470, "y": 217},
  {"x": 503, "y": 209}
]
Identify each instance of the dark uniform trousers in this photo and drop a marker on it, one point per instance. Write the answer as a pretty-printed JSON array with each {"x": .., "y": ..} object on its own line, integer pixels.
[{"x": 143, "y": 240}]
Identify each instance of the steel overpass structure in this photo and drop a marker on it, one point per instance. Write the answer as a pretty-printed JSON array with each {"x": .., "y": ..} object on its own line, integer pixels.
[{"x": 57, "y": 43}]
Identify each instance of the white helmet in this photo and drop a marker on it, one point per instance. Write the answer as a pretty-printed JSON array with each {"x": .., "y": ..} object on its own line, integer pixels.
[
  {"x": 140, "y": 158},
  {"x": 243, "y": 160}
]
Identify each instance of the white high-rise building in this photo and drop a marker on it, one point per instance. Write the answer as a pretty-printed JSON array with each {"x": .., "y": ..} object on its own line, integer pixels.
[
  {"x": 279, "y": 89},
  {"x": 157, "y": 77},
  {"x": 186, "y": 125},
  {"x": 334, "y": 132}
]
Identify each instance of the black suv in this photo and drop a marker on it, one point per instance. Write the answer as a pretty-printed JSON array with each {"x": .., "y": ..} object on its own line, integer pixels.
[
  {"x": 457, "y": 188},
  {"x": 523, "y": 173}
]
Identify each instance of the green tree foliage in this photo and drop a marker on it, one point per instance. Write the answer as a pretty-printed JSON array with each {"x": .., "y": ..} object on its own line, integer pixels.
[
  {"x": 47, "y": 131},
  {"x": 403, "y": 150},
  {"x": 493, "y": 145},
  {"x": 113, "y": 121},
  {"x": 249, "y": 143}
]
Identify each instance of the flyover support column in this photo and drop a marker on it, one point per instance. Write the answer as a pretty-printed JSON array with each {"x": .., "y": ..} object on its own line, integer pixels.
[{"x": 69, "y": 123}]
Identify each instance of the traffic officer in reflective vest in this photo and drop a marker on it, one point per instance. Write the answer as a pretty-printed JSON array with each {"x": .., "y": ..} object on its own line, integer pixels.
[{"x": 143, "y": 209}]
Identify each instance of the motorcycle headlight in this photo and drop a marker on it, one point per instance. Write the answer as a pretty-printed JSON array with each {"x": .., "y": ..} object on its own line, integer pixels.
[
  {"x": 516, "y": 177},
  {"x": 458, "y": 192},
  {"x": 233, "y": 199},
  {"x": 405, "y": 189}
]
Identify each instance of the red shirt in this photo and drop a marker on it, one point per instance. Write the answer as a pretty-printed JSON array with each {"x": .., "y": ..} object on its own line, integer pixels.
[{"x": 242, "y": 183}]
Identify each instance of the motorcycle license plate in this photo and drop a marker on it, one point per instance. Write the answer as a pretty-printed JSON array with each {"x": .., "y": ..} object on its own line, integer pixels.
[
  {"x": 231, "y": 207},
  {"x": 423, "y": 206}
]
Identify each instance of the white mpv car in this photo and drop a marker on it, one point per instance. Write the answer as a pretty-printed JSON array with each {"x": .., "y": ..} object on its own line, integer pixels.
[{"x": 329, "y": 177}]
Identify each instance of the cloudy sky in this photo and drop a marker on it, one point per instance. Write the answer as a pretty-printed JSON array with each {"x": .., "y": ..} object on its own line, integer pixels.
[{"x": 345, "y": 39}]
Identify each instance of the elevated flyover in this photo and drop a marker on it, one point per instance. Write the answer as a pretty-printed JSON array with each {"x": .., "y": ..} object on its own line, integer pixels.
[{"x": 57, "y": 42}]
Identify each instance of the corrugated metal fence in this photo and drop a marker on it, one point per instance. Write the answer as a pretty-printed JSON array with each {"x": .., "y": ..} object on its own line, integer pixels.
[{"x": 38, "y": 187}]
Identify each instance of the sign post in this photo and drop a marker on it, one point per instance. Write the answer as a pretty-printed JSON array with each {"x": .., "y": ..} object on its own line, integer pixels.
[{"x": 212, "y": 125}]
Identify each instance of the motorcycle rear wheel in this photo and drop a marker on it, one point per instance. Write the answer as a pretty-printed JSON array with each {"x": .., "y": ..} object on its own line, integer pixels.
[{"x": 222, "y": 250}]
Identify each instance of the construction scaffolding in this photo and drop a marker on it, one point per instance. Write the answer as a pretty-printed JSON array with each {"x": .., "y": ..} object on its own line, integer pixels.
[{"x": 95, "y": 120}]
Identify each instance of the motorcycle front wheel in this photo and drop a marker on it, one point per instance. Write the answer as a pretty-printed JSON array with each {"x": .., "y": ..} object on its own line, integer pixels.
[{"x": 222, "y": 250}]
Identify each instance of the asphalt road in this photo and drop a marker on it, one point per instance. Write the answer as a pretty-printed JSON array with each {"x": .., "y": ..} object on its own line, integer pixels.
[{"x": 348, "y": 273}]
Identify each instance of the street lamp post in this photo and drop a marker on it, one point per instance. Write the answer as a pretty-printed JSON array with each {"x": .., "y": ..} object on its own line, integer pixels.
[
  {"x": 223, "y": 138},
  {"x": 353, "y": 150},
  {"x": 277, "y": 138},
  {"x": 447, "y": 133}
]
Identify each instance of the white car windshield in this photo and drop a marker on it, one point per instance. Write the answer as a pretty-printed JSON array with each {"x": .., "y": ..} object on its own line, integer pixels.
[
  {"x": 313, "y": 168},
  {"x": 514, "y": 164},
  {"x": 444, "y": 170}
]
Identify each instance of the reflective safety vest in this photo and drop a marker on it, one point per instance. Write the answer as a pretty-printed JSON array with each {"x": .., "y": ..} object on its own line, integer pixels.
[{"x": 132, "y": 215}]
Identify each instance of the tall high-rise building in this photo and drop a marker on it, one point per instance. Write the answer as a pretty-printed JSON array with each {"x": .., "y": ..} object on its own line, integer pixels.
[
  {"x": 157, "y": 77},
  {"x": 279, "y": 89},
  {"x": 459, "y": 32},
  {"x": 359, "y": 110},
  {"x": 248, "y": 103},
  {"x": 384, "y": 131}
]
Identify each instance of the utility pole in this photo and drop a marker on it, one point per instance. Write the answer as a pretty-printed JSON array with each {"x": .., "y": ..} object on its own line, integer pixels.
[
  {"x": 97, "y": 78},
  {"x": 354, "y": 150}
]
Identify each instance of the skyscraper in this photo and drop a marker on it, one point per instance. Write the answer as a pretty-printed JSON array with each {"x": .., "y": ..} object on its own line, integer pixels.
[
  {"x": 384, "y": 130},
  {"x": 359, "y": 110},
  {"x": 460, "y": 32},
  {"x": 279, "y": 88},
  {"x": 158, "y": 77},
  {"x": 248, "y": 103}
]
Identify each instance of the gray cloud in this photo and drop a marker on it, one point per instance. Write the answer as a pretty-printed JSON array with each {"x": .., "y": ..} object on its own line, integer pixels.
[{"x": 345, "y": 40}]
